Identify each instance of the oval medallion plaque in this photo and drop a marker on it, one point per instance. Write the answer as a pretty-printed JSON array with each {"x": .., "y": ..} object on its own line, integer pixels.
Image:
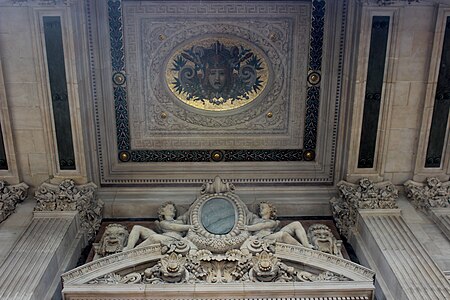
[
  {"x": 218, "y": 216},
  {"x": 217, "y": 74}
]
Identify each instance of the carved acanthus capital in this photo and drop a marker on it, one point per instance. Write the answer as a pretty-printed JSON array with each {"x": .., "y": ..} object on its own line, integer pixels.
[
  {"x": 432, "y": 194},
  {"x": 70, "y": 197},
  {"x": 10, "y": 195},
  {"x": 365, "y": 195}
]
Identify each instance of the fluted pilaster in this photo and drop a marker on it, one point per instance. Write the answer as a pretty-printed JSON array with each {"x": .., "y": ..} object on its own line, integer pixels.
[
  {"x": 48, "y": 247},
  {"x": 406, "y": 268}
]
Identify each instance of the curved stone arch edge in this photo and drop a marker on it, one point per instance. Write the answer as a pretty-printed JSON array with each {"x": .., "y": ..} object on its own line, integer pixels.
[
  {"x": 134, "y": 257},
  {"x": 241, "y": 291}
]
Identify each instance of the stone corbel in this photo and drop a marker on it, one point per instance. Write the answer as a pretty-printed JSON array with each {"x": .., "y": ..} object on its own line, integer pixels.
[
  {"x": 10, "y": 195},
  {"x": 432, "y": 198},
  {"x": 364, "y": 195},
  {"x": 70, "y": 197}
]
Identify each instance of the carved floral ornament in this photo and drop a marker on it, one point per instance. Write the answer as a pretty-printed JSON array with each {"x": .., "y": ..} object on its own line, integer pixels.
[
  {"x": 431, "y": 194},
  {"x": 364, "y": 195},
  {"x": 10, "y": 196},
  {"x": 199, "y": 256}
]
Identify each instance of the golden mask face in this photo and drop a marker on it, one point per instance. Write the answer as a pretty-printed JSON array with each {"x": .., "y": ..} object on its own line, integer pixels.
[{"x": 217, "y": 74}]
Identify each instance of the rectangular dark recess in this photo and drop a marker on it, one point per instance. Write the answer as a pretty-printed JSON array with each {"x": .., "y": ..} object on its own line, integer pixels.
[
  {"x": 58, "y": 87},
  {"x": 3, "y": 161},
  {"x": 374, "y": 86},
  {"x": 438, "y": 127}
]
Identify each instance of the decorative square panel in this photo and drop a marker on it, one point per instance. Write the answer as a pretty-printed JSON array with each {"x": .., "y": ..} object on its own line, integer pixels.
[
  {"x": 217, "y": 82},
  {"x": 174, "y": 53}
]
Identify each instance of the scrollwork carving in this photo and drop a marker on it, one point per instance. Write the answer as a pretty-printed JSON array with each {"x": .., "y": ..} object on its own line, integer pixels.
[
  {"x": 217, "y": 186},
  {"x": 204, "y": 266}
]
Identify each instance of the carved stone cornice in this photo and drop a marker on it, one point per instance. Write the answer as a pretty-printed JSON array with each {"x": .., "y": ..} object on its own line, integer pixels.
[
  {"x": 70, "y": 197},
  {"x": 387, "y": 2},
  {"x": 365, "y": 195},
  {"x": 429, "y": 195},
  {"x": 10, "y": 195},
  {"x": 40, "y": 2}
]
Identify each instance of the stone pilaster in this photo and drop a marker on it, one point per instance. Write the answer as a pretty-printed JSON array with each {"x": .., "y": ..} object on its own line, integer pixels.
[
  {"x": 70, "y": 197},
  {"x": 404, "y": 268},
  {"x": 432, "y": 198},
  {"x": 364, "y": 195},
  {"x": 368, "y": 216},
  {"x": 441, "y": 217},
  {"x": 48, "y": 247}
]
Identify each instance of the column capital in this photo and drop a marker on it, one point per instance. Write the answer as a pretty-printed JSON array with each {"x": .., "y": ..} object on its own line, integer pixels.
[{"x": 366, "y": 195}]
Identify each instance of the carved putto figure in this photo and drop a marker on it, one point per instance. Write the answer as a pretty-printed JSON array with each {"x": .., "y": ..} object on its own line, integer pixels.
[
  {"x": 231, "y": 244},
  {"x": 264, "y": 226},
  {"x": 171, "y": 229},
  {"x": 323, "y": 239},
  {"x": 113, "y": 240}
]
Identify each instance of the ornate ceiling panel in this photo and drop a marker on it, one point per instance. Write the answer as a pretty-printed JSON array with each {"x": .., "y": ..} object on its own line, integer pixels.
[{"x": 217, "y": 83}]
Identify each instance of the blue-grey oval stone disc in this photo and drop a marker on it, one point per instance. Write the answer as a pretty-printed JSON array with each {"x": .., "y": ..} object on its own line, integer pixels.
[{"x": 218, "y": 216}]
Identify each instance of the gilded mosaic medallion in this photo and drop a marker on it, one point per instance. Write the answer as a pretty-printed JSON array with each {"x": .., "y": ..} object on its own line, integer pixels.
[{"x": 217, "y": 74}]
